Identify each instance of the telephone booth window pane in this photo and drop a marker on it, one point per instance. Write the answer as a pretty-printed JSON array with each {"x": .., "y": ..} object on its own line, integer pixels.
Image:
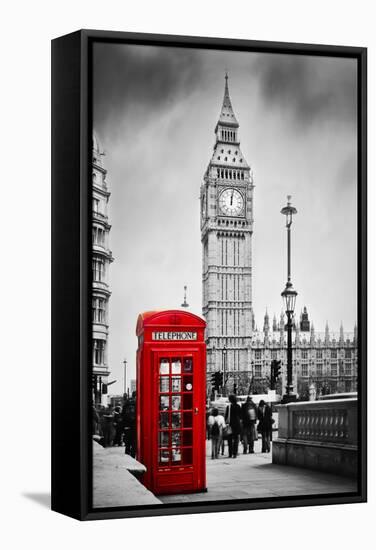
[
  {"x": 164, "y": 439},
  {"x": 176, "y": 439},
  {"x": 187, "y": 437},
  {"x": 187, "y": 420},
  {"x": 163, "y": 420},
  {"x": 188, "y": 364},
  {"x": 176, "y": 402},
  {"x": 164, "y": 366},
  {"x": 187, "y": 456},
  {"x": 164, "y": 384},
  {"x": 175, "y": 366},
  {"x": 163, "y": 402},
  {"x": 176, "y": 420},
  {"x": 187, "y": 401},
  {"x": 176, "y": 455},
  {"x": 176, "y": 383},
  {"x": 164, "y": 456}
]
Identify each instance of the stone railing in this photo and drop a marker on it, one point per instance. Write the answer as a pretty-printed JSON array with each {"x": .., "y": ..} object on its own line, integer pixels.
[{"x": 320, "y": 435}]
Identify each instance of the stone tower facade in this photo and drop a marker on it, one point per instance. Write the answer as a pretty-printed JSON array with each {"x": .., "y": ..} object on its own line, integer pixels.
[
  {"x": 101, "y": 259},
  {"x": 226, "y": 234}
]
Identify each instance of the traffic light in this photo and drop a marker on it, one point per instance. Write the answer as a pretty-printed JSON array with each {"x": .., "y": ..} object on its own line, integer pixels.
[
  {"x": 104, "y": 389},
  {"x": 219, "y": 379}
]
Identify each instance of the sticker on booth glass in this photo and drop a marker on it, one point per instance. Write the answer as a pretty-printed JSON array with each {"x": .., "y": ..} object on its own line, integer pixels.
[
  {"x": 176, "y": 383},
  {"x": 188, "y": 364},
  {"x": 176, "y": 420},
  {"x": 164, "y": 366},
  {"x": 163, "y": 402},
  {"x": 175, "y": 366},
  {"x": 176, "y": 402},
  {"x": 188, "y": 386}
]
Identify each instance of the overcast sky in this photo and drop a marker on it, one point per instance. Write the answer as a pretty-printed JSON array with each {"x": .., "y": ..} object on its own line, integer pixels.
[{"x": 155, "y": 109}]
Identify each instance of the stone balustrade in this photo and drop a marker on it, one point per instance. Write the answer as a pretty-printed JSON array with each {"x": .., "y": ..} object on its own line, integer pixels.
[{"x": 321, "y": 435}]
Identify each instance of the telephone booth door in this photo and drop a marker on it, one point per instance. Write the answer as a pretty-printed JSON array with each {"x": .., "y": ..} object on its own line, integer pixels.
[{"x": 179, "y": 420}]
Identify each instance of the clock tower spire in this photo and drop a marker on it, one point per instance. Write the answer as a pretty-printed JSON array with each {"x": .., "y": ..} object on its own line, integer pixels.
[{"x": 226, "y": 235}]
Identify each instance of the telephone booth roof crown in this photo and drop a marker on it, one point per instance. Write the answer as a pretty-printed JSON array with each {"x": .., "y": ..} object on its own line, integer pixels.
[{"x": 168, "y": 318}]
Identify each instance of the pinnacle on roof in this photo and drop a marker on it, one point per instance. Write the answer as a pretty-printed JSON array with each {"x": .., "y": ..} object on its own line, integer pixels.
[{"x": 227, "y": 115}]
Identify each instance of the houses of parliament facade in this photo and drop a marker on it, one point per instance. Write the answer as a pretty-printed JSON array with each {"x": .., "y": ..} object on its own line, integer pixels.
[{"x": 234, "y": 344}]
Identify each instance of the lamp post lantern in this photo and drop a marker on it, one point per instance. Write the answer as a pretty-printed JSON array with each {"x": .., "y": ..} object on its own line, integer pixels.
[{"x": 289, "y": 296}]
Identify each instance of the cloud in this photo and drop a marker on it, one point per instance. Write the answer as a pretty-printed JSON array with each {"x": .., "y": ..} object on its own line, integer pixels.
[
  {"x": 311, "y": 90},
  {"x": 127, "y": 78}
]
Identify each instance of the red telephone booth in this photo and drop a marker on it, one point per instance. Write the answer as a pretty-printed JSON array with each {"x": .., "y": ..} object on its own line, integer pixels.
[{"x": 171, "y": 408}]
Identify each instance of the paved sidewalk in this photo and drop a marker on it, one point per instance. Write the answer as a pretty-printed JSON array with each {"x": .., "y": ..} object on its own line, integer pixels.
[
  {"x": 113, "y": 484},
  {"x": 254, "y": 476}
]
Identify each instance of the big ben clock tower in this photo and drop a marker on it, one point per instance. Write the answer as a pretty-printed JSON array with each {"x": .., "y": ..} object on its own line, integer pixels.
[{"x": 226, "y": 235}]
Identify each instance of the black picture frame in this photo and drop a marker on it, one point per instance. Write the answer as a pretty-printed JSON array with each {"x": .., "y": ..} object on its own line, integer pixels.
[{"x": 71, "y": 275}]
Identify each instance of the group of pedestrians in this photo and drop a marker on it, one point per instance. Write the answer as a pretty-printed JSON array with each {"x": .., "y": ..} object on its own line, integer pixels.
[
  {"x": 116, "y": 426},
  {"x": 240, "y": 422}
]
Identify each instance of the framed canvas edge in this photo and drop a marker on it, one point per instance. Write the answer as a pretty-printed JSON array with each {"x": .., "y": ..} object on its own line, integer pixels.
[{"x": 86, "y": 511}]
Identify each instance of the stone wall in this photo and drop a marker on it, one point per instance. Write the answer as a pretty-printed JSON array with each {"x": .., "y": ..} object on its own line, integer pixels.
[{"x": 320, "y": 435}]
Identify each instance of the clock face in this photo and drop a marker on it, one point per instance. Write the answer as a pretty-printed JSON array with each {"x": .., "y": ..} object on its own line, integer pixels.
[{"x": 231, "y": 202}]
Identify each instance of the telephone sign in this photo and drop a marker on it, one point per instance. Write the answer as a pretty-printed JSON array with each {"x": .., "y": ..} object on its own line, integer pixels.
[{"x": 171, "y": 378}]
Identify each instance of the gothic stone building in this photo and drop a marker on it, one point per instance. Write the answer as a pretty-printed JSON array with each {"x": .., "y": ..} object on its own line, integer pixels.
[
  {"x": 234, "y": 345},
  {"x": 326, "y": 359},
  {"x": 101, "y": 259}
]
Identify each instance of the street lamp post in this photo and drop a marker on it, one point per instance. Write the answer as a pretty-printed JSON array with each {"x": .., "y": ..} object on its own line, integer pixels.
[
  {"x": 289, "y": 297},
  {"x": 224, "y": 353}
]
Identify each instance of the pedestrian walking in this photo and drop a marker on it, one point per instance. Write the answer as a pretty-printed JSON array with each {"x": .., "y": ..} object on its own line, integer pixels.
[
  {"x": 118, "y": 425},
  {"x": 265, "y": 425},
  {"x": 249, "y": 418},
  {"x": 95, "y": 420},
  {"x": 108, "y": 427},
  {"x": 232, "y": 419},
  {"x": 129, "y": 422},
  {"x": 216, "y": 423}
]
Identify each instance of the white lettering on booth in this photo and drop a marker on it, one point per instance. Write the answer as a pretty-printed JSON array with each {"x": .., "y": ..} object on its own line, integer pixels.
[{"x": 174, "y": 335}]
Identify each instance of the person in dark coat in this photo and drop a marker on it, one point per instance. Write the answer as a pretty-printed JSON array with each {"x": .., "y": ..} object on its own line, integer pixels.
[
  {"x": 129, "y": 423},
  {"x": 118, "y": 425},
  {"x": 232, "y": 419},
  {"x": 265, "y": 424},
  {"x": 95, "y": 420},
  {"x": 249, "y": 418},
  {"x": 108, "y": 427}
]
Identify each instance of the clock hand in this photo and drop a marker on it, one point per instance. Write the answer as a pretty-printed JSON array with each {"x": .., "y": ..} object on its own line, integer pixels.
[{"x": 232, "y": 195}]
